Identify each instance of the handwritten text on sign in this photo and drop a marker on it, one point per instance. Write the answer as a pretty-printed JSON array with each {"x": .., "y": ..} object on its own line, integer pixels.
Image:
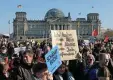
[
  {"x": 67, "y": 43},
  {"x": 53, "y": 59}
]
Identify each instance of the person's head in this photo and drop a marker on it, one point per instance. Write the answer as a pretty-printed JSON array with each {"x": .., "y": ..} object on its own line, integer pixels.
[
  {"x": 12, "y": 44},
  {"x": 90, "y": 59},
  {"x": 38, "y": 52},
  {"x": 103, "y": 59},
  {"x": 62, "y": 69},
  {"x": 14, "y": 56},
  {"x": 47, "y": 48},
  {"x": 28, "y": 56},
  {"x": 4, "y": 50},
  {"x": 40, "y": 70}
]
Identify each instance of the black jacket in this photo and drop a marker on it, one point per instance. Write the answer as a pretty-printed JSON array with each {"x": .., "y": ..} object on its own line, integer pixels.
[{"x": 23, "y": 72}]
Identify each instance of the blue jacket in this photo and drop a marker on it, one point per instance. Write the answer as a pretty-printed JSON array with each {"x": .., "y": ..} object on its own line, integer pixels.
[{"x": 91, "y": 73}]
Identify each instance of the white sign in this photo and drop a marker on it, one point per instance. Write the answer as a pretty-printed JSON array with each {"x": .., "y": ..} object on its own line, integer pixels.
[
  {"x": 67, "y": 43},
  {"x": 17, "y": 50}
]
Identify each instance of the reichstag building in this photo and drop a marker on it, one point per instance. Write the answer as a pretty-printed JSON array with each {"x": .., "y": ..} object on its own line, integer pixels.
[{"x": 54, "y": 19}]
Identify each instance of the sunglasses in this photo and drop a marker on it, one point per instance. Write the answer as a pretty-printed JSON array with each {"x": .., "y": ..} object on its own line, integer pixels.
[{"x": 89, "y": 59}]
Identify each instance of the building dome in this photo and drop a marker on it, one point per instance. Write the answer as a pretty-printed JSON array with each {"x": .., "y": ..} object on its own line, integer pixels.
[{"x": 54, "y": 13}]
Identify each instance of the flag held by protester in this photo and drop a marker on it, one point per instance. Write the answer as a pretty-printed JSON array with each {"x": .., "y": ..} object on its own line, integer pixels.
[{"x": 106, "y": 38}]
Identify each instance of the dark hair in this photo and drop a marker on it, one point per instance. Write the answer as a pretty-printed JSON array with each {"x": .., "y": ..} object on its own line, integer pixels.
[
  {"x": 65, "y": 74},
  {"x": 3, "y": 48},
  {"x": 38, "y": 67},
  {"x": 1, "y": 68},
  {"x": 29, "y": 52}
]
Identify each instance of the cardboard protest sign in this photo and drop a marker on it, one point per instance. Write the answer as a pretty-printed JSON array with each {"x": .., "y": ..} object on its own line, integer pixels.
[
  {"x": 67, "y": 43},
  {"x": 17, "y": 50},
  {"x": 86, "y": 42},
  {"x": 53, "y": 59}
]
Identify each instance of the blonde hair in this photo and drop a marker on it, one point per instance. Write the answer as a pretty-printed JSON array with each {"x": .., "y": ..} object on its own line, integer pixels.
[{"x": 91, "y": 56}]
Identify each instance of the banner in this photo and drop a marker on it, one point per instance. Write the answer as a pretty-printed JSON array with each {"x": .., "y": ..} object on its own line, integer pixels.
[
  {"x": 53, "y": 60},
  {"x": 86, "y": 42},
  {"x": 17, "y": 50},
  {"x": 106, "y": 38},
  {"x": 67, "y": 43},
  {"x": 94, "y": 33}
]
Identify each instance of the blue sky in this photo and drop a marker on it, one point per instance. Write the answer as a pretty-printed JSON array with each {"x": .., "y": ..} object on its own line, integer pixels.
[{"x": 36, "y": 9}]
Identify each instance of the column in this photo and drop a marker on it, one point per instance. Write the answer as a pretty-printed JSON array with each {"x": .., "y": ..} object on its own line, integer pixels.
[
  {"x": 62, "y": 27},
  {"x": 70, "y": 27},
  {"x": 57, "y": 27},
  {"x": 50, "y": 27},
  {"x": 67, "y": 27},
  {"x": 92, "y": 27},
  {"x": 54, "y": 27}
]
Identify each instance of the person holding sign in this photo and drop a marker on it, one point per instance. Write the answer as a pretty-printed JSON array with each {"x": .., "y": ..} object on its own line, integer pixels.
[
  {"x": 62, "y": 73},
  {"x": 41, "y": 72}
]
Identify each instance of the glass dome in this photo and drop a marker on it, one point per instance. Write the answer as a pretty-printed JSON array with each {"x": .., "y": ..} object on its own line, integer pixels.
[{"x": 54, "y": 13}]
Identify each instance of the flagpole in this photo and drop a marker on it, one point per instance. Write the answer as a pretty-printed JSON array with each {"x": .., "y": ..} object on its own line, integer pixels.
[
  {"x": 17, "y": 30},
  {"x": 9, "y": 28},
  {"x": 78, "y": 23},
  {"x": 92, "y": 25},
  {"x": 19, "y": 7},
  {"x": 78, "y": 27},
  {"x": 78, "y": 31}
]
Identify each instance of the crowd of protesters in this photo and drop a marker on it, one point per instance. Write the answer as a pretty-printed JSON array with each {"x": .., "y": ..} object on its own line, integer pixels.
[{"x": 95, "y": 61}]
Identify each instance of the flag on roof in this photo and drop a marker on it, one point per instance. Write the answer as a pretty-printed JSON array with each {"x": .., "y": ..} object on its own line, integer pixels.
[
  {"x": 19, "y": 6},
  {"x": 79, "y": 13},
  {"x": 92, "y": 7}
]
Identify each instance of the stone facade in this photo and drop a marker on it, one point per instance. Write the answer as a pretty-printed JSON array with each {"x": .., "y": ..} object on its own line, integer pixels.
[{"x": 54, "y": 20}]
